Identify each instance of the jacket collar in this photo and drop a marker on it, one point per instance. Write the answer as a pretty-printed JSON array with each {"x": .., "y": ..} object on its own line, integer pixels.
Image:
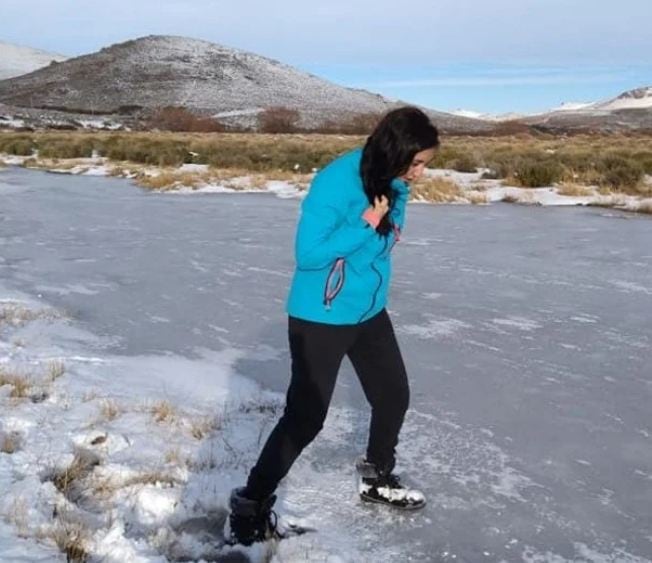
[{"x": 400, "y": 186}]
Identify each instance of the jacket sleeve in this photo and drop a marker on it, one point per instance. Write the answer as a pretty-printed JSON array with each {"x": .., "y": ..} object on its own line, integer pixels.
[
  {"x": 397, "y": 213},
  {"x": 325, "y": 233}
]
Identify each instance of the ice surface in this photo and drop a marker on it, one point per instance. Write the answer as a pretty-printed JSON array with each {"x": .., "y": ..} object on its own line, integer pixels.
[{"x": 525, "y": 331}]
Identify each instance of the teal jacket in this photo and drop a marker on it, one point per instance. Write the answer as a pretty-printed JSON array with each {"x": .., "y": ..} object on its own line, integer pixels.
[{"x": 343, "y": 267}]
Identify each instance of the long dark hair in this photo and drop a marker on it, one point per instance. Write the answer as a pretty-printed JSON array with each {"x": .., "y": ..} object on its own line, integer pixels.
[{"x": 389, "y": 151}]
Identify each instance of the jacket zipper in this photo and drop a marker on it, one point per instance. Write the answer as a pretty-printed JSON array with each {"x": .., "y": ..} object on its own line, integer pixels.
[
  {"x": 380, "y": 283},
  {"x": 331, "y": 294}
]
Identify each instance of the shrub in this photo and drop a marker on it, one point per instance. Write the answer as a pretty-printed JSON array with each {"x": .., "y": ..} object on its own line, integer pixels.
[
  {"x": 619, "y": 173},
  {"x": 67, "y": 148},
  {"x": 534, "y": 173},
  {"x": 173, "y": 118},
  {"x": 19, "y": 146},
  {"x": 146, "y": 150},
  {"x": 358, "y": 124},
  {"x": 644, "y": 158},
  {"x": 278, "y": 120},
  {"x": 464, "y": 163}
]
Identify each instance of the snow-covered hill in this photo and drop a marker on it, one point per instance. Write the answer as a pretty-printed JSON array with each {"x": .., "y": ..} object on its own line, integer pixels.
[
  {"x": 631, "y": 110},
  {"x": 16, "y": 60},
  {"x": 572, "y": 106},
  {"x": 158, "y": 71},
  {"x": 640, "y": 98},
  {"x": 488, "y": 116}
]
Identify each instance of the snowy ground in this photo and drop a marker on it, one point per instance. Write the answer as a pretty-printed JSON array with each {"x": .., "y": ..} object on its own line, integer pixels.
[{"x": 149, "y": 331}]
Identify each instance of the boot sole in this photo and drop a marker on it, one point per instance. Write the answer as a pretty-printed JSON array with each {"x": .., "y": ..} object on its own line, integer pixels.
[{"x": 408, "y": 507}]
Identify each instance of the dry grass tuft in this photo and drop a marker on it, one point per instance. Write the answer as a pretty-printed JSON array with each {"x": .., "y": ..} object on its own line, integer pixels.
[
  {"x": 109, "y": 410},
  {"x": 163, "y": 411},
  {"x": 201, "y": 427},
  {"x": 56, "y": 368},
  {"x": 570, "y": 189},
  {"x": 438, "y": 190},
  {"x": 172, "y": 180},
  {"x": 72, "y": 539},
  {"x": 10, "y": 443},
  {"x": 21, "y": 384},
  {"x": 173, "y": 457},
  {"x": 151, "y": 478},
  {"x": 107, "y": 486},
  {"x": 17, "y": 515},
  {"x": 68, "y": 480},
  {"x": 15, "y": 314},
  {"x": 232, "y": 178},
  {"x": 476, "y": 197}
]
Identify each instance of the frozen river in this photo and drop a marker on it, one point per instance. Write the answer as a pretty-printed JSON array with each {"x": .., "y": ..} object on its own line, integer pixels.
[{"x": 527, "y": 334}]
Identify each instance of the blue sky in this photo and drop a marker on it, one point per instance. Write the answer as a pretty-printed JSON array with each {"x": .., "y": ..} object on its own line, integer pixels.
[{"x": 498, "y": 56}]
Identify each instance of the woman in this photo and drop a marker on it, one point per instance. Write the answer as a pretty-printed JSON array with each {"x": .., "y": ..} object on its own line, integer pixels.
[{"x": 350, "y": 220}]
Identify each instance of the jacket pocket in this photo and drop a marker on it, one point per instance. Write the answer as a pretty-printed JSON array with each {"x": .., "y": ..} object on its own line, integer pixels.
[{"x": 334, "y": 282}]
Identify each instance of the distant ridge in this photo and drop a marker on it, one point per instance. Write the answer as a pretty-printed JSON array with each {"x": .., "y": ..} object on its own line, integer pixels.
[{"x": 16, "y": 60}]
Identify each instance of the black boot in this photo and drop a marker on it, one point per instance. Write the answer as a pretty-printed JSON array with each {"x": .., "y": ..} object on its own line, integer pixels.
[
  {"x": 251, "y": 520},
  {"x": 386, "y": 488}
]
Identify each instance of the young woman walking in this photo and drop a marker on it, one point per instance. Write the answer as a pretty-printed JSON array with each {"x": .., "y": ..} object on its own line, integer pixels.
[{"x": 350, "y": 221}]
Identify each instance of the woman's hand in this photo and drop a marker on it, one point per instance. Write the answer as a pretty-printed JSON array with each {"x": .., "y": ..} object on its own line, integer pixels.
[
  {"x": 374, "y": 213},
  {"x": 381, "y": 206}
]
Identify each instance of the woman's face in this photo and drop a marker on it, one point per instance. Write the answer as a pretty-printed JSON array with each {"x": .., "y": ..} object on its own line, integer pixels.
[{"x": 418, "y": 164}]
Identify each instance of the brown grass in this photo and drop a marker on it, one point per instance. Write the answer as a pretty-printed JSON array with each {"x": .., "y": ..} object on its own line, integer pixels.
[
  {"x": 151, "y": 478},
  {"x": 105, "y": 487},
  {"x": 475, "y": 197},
  {"x": 173, "y": 457},
  {"x": 16, "y": 314},
  {"x": 171, "y": 180},
  {"x": 163, "y": 411},
  {"x": 56, "y": 368},
  {"x": 233, "y": 178},
  {"x": 438, "y": 190},
  {"x": 21, "y": 384},
  {"x": 17, "y": 515},
  {"x": 616, "y": 161},
  {"x": 72, "y": 540},
  {"x": 10, "y": 443},
  {"x": 254, "y": 152},
  {"x": 203, "y": 426},
  {"x": 109, "y": 410},
  {"x": 65, "y": 480},
  {"x": 576, "y": 190}
]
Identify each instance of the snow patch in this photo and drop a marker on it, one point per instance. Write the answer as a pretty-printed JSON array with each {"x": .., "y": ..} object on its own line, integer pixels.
[{"x": 436, "y": 328}]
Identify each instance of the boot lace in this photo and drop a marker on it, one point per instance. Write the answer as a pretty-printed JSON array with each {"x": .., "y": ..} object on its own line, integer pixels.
[{"x": 392, "y": 481}]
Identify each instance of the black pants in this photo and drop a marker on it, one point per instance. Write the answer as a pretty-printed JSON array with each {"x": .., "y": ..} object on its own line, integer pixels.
[{"x": 317, "y": 350}]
